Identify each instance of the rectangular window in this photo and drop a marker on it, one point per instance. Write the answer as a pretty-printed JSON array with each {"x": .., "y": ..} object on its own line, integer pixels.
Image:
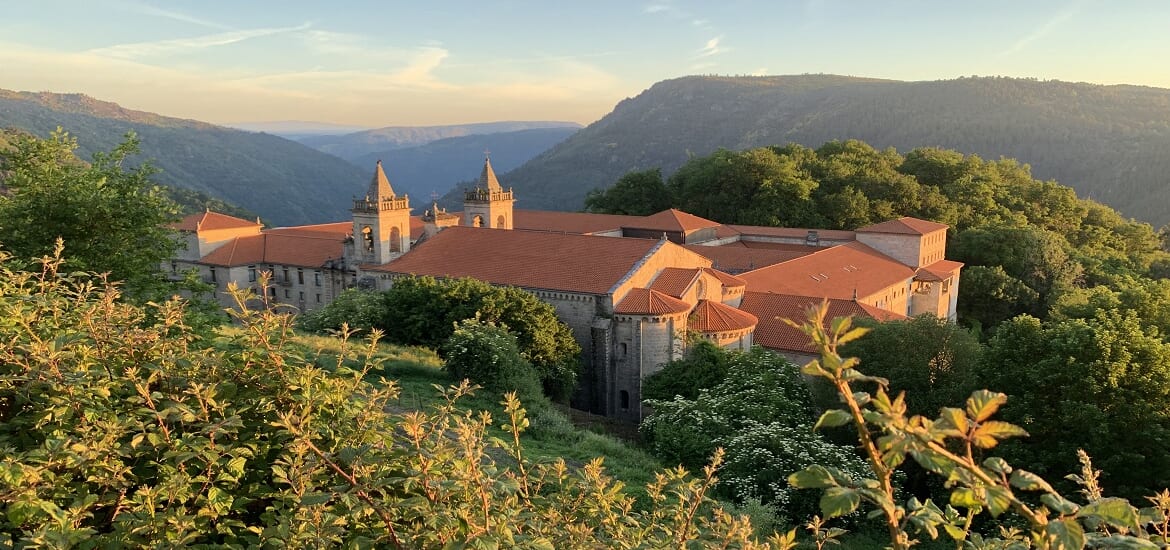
[
  {"x": 272, "y": 291},
  {"x": 302, "y": 296},
  {"x": 287, "y": 293},
  {"x": 285, "y": 279},
  {"x": 300, "y": 276},
  {"x": 174, "y": 266},
  {"x": 318, "y": 298},
  {"x": 317, "y": 279},
  {"x": 213, "y": 278},
  {"x": 251, "y": 274}
]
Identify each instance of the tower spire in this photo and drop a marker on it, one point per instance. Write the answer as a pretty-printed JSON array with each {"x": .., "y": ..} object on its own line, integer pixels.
[
  {"x": 380, "y": 185},
  {"x": 487, "y": 178}
]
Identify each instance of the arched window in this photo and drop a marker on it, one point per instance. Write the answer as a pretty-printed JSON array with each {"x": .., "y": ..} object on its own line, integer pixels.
[
  {"x": 395, "y": 239},
  {"x": 500, "y": 223},
  {"x": 625, "y": 399},
  {"x": 477, "y": 221},
  {"x": 368, "y": 238}
]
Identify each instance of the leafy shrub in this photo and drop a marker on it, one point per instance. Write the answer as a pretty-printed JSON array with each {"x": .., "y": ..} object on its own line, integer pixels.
[
  {"x": 704, "y": 366},
  {"x": 121, "y": 429},
  {"x": 357, "y": 309},
  {"x": 486, "y": 354}
]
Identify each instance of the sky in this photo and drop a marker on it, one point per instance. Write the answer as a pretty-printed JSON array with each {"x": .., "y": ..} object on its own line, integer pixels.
[{"x": 375, "y": 63}]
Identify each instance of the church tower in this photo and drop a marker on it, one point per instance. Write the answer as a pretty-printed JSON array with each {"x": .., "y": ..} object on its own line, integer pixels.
[
  {"x": 488, "y": 205},
  {"x": 381, "y": 222}
]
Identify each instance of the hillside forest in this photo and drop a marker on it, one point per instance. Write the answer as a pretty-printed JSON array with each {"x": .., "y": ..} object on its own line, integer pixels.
[{"x": 133, "y": 419}]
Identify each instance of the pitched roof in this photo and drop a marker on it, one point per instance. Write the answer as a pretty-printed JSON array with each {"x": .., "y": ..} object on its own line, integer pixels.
[
  {"x": 580, "y": 223},
  {"x": 338, "y": 229},
  {"x": 772, "y": 309},
  {"x": 280, "y": 247},
  {"x": 835, "y": 272},
  {"x": 646, "y": 301},
  {"x": 712, "y": 316},
  {"x": 674, "y": 281},
  {"x": 379, "y": 185},
  {"x": 739, "y": 259},
  {"x": 903, "y": 226},
  {"x": 938, "y": 271},
  {"x": 554, "y": 261},
  {"x": 728, "y": 280},
  {"x": 487, "y": 178},
  {"x": 210, "y": 221},
  {"x": 671, "y": 220}
]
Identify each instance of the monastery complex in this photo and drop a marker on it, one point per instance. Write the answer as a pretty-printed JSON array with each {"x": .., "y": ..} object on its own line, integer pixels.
[{"x": 632, "y": 288}]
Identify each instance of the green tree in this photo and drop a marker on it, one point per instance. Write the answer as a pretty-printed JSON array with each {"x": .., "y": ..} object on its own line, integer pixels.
[
  {"x": 637, "y": 193},
  {"x": 704, "y": 366},
  {"x": 112, "y": 220},
  {"x": 487, "y": 354}
]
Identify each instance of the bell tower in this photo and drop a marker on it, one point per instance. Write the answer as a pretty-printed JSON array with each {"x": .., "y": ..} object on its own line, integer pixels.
[
  {"x": 488, "y": 205},
  {"x": 381, "y": 222}
]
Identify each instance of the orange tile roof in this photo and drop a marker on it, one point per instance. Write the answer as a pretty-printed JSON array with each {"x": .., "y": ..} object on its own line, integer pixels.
[
  {"x": 339, "y": 229},
  {"x": 208, "y": 221},
  {"x": 645, "y": 301},
  {"x": 733, "y": 258},
  {"x": 938, "y": 271},
  {"x": 794, "y": 232},
  {"x": 834, "y": 272},
  {"x": 771, "y": 309},
  {"x": 903, "y": 226},
  {"x": 280, "y": 248},
  {"x": 671, "y": 220},
  {"x": 712, "y": 316},
  {"x": 728, "y": 280},
  {"x": 580, "y": 223},
  {"x": 674, "y": 281},
  {"x": 553, "y": 261}
]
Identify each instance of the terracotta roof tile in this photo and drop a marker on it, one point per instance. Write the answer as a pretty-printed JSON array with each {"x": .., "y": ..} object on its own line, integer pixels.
[
  {"x": 338, "y": 229},
  {"x": 554, "y": 261},
  {"x": 711, "y": 316},
  {"x": 580, "y": 223},
  {"x": 772, "y": 309},
  {"x": 738, "y": 259},
  {"x": 728, "y": 280},
  {"x": 674, "y": 281},
  {"x": 209, "y": 221},
  {"x": 672, "y": 220},
  {"x": 281, "y": 248},
  {"x": 645, "y": 301},
  {"x": 938, "y": 271},
  {"x": 903, "y": 226},
  {"x": 835, "y": 272}
]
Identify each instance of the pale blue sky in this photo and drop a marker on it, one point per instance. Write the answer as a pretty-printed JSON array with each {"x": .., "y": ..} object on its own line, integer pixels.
[{"x": 379, "y": 63}]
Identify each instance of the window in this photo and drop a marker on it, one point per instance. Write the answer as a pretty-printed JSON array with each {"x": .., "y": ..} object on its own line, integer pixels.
[
  {"x": 272, "y": 291},
  {"x": 213, "y": 278},
  {"x": 501, "y": 222},
  {"x": 625, "y": 400},
  {"x": 300, "y": 276},
  {"x": 368, "y": 238},
  {"x": 302, "y": 296},
  {"x": 317, "y": 279},
  {"x": 395, "y": 239},
  {"x": 251, "y": 274},
  {"x": 174, "y": 266},
  {"x": 622, "y": 349},
  {"x": 946, "y": 285},
  {"x": 477, "y": 221},
  {"x": 318, "y": 298},
  {"x": 287, "y": 293},
  {"x": 285, "y": 272}
]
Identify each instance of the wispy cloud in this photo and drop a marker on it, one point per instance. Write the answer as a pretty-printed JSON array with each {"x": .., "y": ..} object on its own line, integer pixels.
[
  {"x": 137, "y": 50},
  {"x": 156, "y": 11},
  {"x": 657, "y": 8},
  {"x": 1045, "y": 29},
  {"x": 712, "y": 48}
]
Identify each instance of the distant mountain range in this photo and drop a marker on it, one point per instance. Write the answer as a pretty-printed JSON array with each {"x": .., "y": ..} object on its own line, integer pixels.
[
  {"x": 281, "y": 180},
  {"x": 358, "y": 144},
  {"x": 437, "y": 167},
  {"x": 297, "y": 129},
  {"x": 1110, "y": 143}
]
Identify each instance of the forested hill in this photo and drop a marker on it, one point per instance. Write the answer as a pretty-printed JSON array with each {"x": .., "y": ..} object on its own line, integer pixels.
[
  {"x": 281, "y": 180},
  {"x": 1110, "y": 143},
  {"x": 357, "y": 144}
]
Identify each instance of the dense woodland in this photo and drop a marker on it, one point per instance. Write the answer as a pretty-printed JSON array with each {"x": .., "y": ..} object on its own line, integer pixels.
[
  {"x": 127, "y": 419},
  {"x": 1106, "y": 142}
]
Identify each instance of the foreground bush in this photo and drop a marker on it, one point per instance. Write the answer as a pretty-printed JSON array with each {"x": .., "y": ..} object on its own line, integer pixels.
[{"x": 122, "y": 427}]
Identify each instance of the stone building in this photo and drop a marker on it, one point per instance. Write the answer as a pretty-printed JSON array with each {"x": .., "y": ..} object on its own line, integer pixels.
[{"x": 634, "y": 289}]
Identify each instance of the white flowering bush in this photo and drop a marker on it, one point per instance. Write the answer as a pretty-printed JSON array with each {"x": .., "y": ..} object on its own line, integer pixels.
[{"x": 762, "y": 415}]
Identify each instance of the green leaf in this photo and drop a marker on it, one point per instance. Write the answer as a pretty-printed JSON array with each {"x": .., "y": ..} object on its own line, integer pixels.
[
  {"x": 1114, "y": 511},
  {"x": 983, "y": 403},
  {"x": 955, "y": 532},
  {"x": 988, "y": 434},
  {"x": 310, "y": 499},
  {"x": 813, "y": 477},
  {"x": 1065, "y": 534},
  {"x": 1059, "y": 504},
  {"x": 839, "y": 501},
  {"x": 1123, "y": 542},
  {"x": 1027, "y": 481},
  {"x": 999, "y": 500},
  {"x": 833, "y": 418},
  {"x": 965, "y": 498},
  {"x": 997, "y": 465},
  {"x": 951, "y": 418}
]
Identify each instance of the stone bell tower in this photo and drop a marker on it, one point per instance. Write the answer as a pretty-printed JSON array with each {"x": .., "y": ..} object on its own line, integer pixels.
[
  {"x": 488, "y": 205},
  {"x": 381, "y": 222}
]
